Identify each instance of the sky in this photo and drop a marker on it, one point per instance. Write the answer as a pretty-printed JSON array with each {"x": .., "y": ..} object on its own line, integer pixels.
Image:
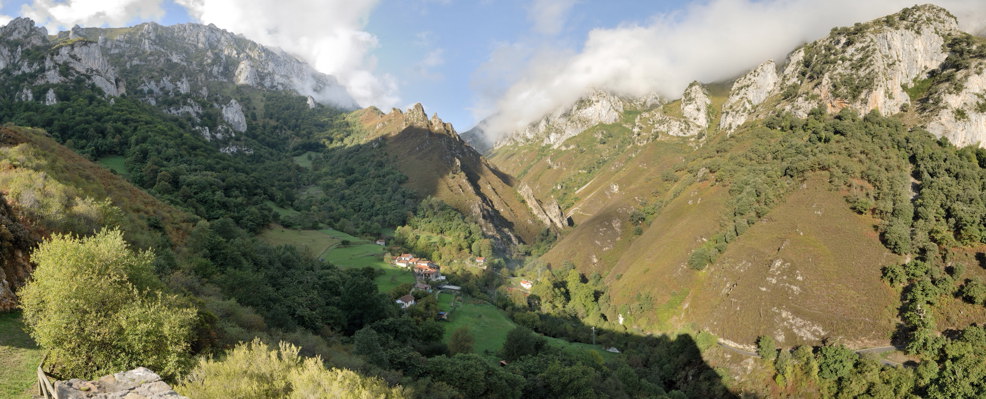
[{"x": 508, "y": 61}]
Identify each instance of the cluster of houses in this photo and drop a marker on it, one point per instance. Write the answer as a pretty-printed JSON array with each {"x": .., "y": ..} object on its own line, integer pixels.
[{"x": 423, "y": 269}]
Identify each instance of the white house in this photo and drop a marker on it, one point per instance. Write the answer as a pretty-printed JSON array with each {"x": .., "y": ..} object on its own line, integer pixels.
[{"x": 405, "y": 301}]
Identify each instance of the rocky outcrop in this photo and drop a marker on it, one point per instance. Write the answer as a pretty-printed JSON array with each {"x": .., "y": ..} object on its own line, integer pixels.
[
  {"x": 961, "y": 116},
  {"x": 139, "y": 383},
  {"x": 866, "y": 67},
  {"x": 172, "y": 67},
  {"x": 550, "y": 214},
  {"x": 694, "y": 120},
  {"x": 16, "y": 243},
  {"x": 747, "y": 93},
  {"x": 233, "y": 115},
  {"x": 599, "y": 107},
  {"x": 695, "y": 105}
]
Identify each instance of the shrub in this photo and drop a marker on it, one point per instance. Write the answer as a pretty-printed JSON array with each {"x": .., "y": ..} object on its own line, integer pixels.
[
  {"x": 95, "y": 305},
  {"x": 254, "y": 370}
]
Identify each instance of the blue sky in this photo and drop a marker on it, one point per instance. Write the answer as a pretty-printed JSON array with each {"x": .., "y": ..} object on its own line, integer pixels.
[{"x": 512, "y": 59}]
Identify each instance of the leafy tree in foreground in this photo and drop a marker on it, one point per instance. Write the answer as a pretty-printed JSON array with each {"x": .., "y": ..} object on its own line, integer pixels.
[
  {"x": 95, "y": 305},
  {"x": 254, "y": 370}
]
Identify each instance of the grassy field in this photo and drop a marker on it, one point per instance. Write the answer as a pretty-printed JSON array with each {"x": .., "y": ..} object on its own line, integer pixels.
[
  {"x": 445, "y": 301},
  {"x": 19, "y": 356},
  {"x": 282, "y": 212},
  {"x": 314, "y": 242},
  {"x": 488, "y": 324},
  {"x": 303, "y": 160},
  {"x": 327, "y": 244},
  {"x": 115, "y": 163}
]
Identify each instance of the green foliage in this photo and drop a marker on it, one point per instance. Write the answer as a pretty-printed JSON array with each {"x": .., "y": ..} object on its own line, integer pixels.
[
  {"x": 701, "y": 257},
  {"x": 973, "y": 291},
  {"x": 97, "y": 307},
  {"x": 766, "y": 348},
  {"x": 441, "y": 232},
  {"x": 474, "y": 377},
  {"x": 461, "y": 341},
  {"x": 522, "y": 342},
  {"x": 254, "y": 370}
]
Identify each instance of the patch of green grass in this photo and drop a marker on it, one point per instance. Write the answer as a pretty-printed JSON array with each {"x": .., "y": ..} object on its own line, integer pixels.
[
  {"x": 326, "y": 244},
  {"x": 304, "y": 160},
  {"x": 488, "y": 324},
  {"x": 19, "y": 357},
  {"x": 445, "y": 301},
  {"x": 116, "y": 164},
  {"x": 282, "y": 212},
  {"x": 363, "y": 253},
  {"x": 918, "y": 88},
  {"x": 667, "y": 310},
  {"x": 579, "y": 348},
  {"x": 313, "y": 242}
]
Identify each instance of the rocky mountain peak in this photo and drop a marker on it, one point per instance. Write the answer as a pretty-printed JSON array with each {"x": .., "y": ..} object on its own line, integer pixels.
[
  {"x": 747, "y": 93},
  {"x": 24, "y": 29},
  {"x": 597, "y": 107},
  {"x": 695, "y": 105},
  {"x": 867, "y": 66}
]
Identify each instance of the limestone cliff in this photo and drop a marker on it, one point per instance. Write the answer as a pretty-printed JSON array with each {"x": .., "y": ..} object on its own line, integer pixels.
[
  {"x": 867, "y": 66},
  {"x": 747, "y": 93},
  {"x": 186, "y": 70},
  {"x": 595, "y": 108}
]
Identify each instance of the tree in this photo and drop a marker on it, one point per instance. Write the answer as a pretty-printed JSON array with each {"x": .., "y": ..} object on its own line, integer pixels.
[
  {"x": 97, "y": 307},
  {"x": 766, "y": 348},
  {"x": 461, "y": 341},
  {"x": 522, "y": 342}
]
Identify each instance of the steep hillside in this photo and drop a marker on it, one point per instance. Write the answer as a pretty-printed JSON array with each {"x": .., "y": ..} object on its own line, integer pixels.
[
  {"x": 656, "y": 191},
  {"x": 47, "y": 188},
  {"x": 438, "y": 163}
]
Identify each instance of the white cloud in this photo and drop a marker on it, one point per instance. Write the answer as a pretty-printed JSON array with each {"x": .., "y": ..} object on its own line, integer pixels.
[
  {"x": 426, "y": 67},
  {"x": 59, "y": 15},
  {"x": 326, "y": 33},
  {"x": 708, "y": 42},
  {"x": 548, "y": 16}
]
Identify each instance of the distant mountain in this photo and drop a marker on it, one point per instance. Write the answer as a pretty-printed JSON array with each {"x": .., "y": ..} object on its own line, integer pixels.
[
  {"x": 654, "y": 186},
  {"x": 439, "y": 163},
  {"x": 916, "y": 62},
  {"x": 184, "y": 70}
]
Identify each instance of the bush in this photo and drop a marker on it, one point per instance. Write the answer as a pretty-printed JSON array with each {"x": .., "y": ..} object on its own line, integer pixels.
[
  {"x": 95, "y": 305},
  {"x": 254, "y": 370}
]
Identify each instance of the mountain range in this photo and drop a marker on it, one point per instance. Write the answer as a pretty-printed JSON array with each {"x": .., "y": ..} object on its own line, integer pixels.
[{"x": 778, "y": 204}]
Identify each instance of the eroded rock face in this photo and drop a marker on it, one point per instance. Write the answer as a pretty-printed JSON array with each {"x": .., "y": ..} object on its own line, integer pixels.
[
  {"x": 695, "y": 105},
  {"x": 139, "y": 383},
  {"x": 599, "y": 107},
  {"x": 171, "y": 67},
  {"x": 233, "y": 114},
  {"x": 961, "y": 116},
  {"x": 549, "y": 214},
  {"x": 867, "y": 66},
  {"x": 747, "y": 93}
]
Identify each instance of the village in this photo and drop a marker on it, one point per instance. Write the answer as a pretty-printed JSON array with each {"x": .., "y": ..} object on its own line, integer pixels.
[{"x": 426, "y": 273}]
